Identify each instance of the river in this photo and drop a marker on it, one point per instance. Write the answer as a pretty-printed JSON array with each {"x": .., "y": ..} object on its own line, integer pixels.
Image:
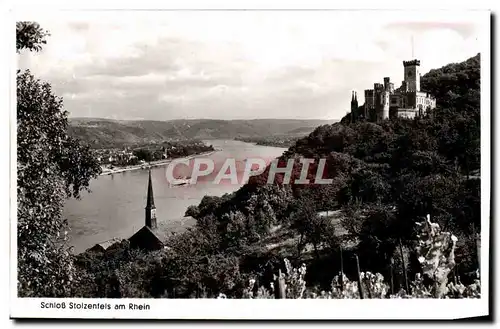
[{"x": 115, "y": 206}]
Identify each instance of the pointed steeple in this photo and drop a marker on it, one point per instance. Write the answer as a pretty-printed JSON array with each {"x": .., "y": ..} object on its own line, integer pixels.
[
  {"x": 354, "y": 107},
  {"x": 150, "y": 205},
  {"x": 150, "y": 201}
]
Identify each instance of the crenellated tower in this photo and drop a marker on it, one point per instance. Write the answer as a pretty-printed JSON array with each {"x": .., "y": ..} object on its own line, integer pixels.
[{"x": 412, "y": 75}]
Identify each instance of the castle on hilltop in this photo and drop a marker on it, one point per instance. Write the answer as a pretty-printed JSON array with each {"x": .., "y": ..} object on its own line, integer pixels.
[{"x": 384, "y": 102}]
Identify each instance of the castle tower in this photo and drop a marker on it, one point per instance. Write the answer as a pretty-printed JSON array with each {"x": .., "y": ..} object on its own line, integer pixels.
[
  {"x": 150, "y": 206},
  {"x": 387, "y": 82},
  {"x": 412, "y": 74},
  {"x": 369, "y": 102},
  {"x": 354, "y": 107},
  {"x": 385, "y": 104}
]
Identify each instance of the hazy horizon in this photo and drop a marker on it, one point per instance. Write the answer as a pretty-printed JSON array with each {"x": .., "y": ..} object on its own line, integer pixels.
[
  {"x": 238, "y": 65},
  {"x": 206, "y": 119}
]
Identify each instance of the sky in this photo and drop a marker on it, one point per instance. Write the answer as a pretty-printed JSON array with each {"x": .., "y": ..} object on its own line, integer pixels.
[{"x": 238, "y": 64}]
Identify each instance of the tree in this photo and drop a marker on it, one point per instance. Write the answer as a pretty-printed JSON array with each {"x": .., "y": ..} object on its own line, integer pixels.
[
  {"x": 51, "y": 167},
  {"x": 29, "y": 35},
  {"x": 144, "y": 154},
  {"x": 311, "y": 227}
]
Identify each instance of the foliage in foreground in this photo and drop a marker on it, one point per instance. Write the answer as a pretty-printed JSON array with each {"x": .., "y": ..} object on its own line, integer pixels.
[
  {"x": 51, "y": 166},
  {"x": 123, "y": 272},
  {"x": 435, "y": 252}
]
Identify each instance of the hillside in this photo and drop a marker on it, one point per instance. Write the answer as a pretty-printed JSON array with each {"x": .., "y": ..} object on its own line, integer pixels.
[
  {"x": 104, "y": 132},
  {"x": 456, "y": 85},
  {"x": 386, "y": 178}
]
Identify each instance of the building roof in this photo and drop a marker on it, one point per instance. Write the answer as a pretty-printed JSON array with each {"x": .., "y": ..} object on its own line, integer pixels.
[
  {"x": 165, "y": 229},
  {"x": 103, "y": 246},
  {"x": 145, "y": 239}
]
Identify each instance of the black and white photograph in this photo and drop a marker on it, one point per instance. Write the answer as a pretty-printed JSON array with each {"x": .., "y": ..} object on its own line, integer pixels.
[{"x": 229, "y": 158}]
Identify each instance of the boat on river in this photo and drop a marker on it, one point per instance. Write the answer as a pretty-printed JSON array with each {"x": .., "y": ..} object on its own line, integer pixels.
[{"x": 181, "y": 181}]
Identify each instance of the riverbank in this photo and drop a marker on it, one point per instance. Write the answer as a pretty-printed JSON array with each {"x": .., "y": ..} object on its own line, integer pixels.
[
  {"x": 272, "y": 141},
  {"x": 107, "y": 171}
]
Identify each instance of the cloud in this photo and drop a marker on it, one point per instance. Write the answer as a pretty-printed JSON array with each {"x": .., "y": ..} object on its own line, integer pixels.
[
  {"x": 465, "y": 29},
  {"x": 79, "y": 26},
  {"x": 227, "y": 65}
]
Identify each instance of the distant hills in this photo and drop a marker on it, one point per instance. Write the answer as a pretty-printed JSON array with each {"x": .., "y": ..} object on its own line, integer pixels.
[{"x": 106, "y": 132}]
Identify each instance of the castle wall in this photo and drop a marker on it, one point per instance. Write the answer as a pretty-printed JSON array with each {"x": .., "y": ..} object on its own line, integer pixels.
[
  {"x": 410, "y": 100},
  {"x": 393, "y": 112},
  {"x": 426, "y": 100},
  {"x": 383, "y": 101},
  {"x": 409, "y": 113},
  {"x": 369, "y": 102},
  {"x": 404, "y": 87},
  {"x": 396, "y": 100}
]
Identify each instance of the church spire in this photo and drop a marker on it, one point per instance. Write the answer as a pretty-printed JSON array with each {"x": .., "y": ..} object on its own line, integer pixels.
[
  {"x": 150, "y": 201},
  {"x": 354, "y": 107},
  {"x": 150, "y": 205}
]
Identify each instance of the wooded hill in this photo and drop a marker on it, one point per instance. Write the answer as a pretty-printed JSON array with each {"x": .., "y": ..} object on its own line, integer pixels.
[{"x": 104, "y": 132}]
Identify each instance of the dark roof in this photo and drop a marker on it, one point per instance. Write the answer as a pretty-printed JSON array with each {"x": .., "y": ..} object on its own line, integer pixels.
[
  {"x": 103, "y": 246},
  {"x": 145, "y": 239},
  {"x": 96, "y": 248}
]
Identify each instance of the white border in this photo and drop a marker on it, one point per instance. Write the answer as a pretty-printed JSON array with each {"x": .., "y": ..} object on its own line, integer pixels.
[
  {"x": 485, "y": 160},
  {"x": 265, "y": 309},
  {"x": 269, "y": 309}
]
